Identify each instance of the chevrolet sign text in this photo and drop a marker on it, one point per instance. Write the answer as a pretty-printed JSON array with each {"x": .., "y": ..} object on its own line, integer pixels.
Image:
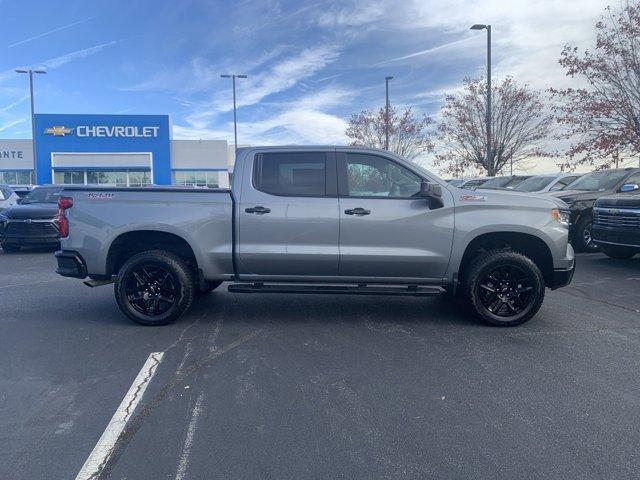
[{"x": 117, "y": 131}]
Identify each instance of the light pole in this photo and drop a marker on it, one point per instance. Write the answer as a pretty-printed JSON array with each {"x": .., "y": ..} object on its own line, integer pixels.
[
  {"x": 479, "y": 26},
  {"x": 235, "y": 124},
  {"x": 386, "y": 112},
  {"x": 33, "y": 119}
]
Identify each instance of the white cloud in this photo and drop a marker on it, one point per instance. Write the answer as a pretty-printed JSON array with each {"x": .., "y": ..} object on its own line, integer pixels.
[
  {"x": 57, "y": 62},
  {"x": 302, "y": 121},
  {"x": 10, "y": 124},
  {"x": 281, "y": 76},
  {"x": 354, "y": 15},
  {"x": 14, "y": 104},
  {"x": 49, "y": 32}
]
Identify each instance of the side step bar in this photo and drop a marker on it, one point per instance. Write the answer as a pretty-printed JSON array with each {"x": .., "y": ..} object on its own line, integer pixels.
[{"x": 411, "y": 290}]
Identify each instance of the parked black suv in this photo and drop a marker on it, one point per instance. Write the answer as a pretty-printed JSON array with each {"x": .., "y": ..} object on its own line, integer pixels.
[
  {"x": 616, "y": 223},
  {"x": 31, "y": 222},
  {"x": 581, "y": 196}
]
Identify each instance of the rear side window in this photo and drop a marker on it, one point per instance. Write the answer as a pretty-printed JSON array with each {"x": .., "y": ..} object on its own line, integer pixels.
[{"x": 292, "y": 174}]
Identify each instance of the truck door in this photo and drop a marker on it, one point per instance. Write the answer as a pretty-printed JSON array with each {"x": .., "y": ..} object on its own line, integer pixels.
[
  {"x": 385, "y": 229},
  {"x": 288, "y": 215}
]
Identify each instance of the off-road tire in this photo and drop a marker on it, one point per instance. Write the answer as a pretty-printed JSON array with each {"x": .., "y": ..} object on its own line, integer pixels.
[
  {"x": 619, "y": 252},
  {"x": 490, "y": 261},
  {"x": 579, "y": 242},
  {"x": 182, "y": 282}
]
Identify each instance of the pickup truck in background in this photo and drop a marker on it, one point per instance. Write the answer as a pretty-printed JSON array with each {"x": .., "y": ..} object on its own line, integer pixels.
[
  {"x": 616, "y": 223},
  {"x": 326, "y": 220}
]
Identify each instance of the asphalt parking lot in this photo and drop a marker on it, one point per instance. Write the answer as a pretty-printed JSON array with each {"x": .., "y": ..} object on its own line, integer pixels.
[{"x": 279, "y": 387}]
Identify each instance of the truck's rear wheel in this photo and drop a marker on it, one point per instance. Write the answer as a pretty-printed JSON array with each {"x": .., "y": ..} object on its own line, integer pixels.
[
  {"x": 504, "y": 288},
  {"x": 154, "y": 287}
]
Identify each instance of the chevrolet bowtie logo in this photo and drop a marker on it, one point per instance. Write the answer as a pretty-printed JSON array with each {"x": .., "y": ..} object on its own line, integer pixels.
[{"x": 58, "y": 131}]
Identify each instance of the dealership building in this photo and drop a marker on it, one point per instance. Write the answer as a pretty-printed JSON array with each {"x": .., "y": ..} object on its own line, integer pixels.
[{"x": 114, "y": 150}]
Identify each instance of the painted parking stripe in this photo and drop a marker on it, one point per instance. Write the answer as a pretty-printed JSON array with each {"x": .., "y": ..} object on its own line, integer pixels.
[
  {"x": 102, "y": 451},
  {"x": 188, "y": 441}
]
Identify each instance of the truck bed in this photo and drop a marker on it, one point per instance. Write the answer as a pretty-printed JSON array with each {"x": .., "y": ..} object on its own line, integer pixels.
[{"x": 103, "y": 217}]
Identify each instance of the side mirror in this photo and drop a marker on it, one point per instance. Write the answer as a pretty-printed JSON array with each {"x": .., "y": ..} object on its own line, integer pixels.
[
  {"x": 629, "y": 187},
  {"x": 432, "y": 192},
  {"x": 19, "y": 201}
]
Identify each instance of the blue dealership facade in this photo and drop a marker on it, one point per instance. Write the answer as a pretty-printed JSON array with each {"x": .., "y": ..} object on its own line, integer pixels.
[{"x": 119, "y": 150}]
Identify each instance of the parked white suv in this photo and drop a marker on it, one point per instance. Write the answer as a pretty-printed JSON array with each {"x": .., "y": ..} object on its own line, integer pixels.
[{"x": 7, "y": 197}]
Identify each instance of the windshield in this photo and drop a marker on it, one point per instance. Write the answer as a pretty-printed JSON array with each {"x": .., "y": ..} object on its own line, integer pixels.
[
  {"x": 42, "y": 195},
  {"x": 534, "y": 184},
  {"x": 497, "y": 182},
  {"x": 598, "y": 181}
]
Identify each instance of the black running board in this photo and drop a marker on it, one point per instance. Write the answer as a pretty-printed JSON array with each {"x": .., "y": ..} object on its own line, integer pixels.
[{"x": 411, "y": 290}]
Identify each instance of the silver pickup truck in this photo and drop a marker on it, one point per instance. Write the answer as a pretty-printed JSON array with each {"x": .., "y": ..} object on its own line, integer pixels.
[{"x": 317, "y": 220}]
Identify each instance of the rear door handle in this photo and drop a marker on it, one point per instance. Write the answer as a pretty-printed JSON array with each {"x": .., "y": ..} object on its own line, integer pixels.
[
  {"x": 260, "y": 210},
  {"x": 357, "y": 211}
]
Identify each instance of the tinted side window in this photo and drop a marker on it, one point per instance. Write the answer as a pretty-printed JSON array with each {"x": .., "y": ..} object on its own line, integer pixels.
[
  {"x": 371, "y": 176},
  {"x": 291, "y": 174}
]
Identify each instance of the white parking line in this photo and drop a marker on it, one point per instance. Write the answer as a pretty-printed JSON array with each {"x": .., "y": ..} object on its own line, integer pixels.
[
  {"x": 102, "y": 451},
  {"x": 188, "y": 441}
]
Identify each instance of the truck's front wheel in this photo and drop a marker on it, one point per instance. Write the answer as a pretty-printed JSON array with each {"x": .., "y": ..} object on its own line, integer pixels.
[
  {"x": 154, "y": 287},
  {"x": 504, "y": 288}
]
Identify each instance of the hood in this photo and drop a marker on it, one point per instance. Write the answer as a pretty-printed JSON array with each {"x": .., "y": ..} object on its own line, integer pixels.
[
  {"x": 33, "y": 211},
  {"x": 509, "y": 197},
  {"x": 574, "y": 196},
  {"x": 620, "y": 200}
]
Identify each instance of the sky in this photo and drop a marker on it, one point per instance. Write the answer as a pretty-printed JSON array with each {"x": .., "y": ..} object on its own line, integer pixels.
[{"x": 310, "y": 64}]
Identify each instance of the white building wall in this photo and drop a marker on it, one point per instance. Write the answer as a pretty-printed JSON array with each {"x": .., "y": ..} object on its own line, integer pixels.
[
  {"x": 199, "y": 154},
  {"x": 16, "y": 154}
]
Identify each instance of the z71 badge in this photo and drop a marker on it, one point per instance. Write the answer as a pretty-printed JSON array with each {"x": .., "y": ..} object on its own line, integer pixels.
[
  {"x": 100, "y": 195},
  {"x": 473, "y": 198}
]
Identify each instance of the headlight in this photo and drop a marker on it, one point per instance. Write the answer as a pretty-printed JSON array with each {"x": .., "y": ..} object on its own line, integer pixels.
[{"x": 561, "y": 216}]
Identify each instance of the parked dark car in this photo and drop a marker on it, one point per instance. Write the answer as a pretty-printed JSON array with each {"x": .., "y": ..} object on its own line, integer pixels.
[
  {"x": 31, "y": 222},
  {"x": 581, "y": 196},
  {"x": 616, "y": 223},
  {"x": 506, "y": 182}
]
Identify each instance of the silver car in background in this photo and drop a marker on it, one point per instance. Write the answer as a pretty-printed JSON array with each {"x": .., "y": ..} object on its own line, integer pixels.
[
  {"x": 7, "y": 197},
  {"x": 547, "y": 183}
]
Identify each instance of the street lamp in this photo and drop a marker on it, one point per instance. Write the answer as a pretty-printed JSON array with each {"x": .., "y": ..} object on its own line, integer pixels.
[
  {"x": 33, "y": 118},
  {"x": 479, "y": 26},
  {"x": 386, "y": 112},
  {"x": 235, "y": 126}
]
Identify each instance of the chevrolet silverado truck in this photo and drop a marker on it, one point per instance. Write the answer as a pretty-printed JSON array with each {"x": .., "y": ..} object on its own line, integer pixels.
[
  {"x": 330, "y": 220},
  {"x": 616, "y": 223}
]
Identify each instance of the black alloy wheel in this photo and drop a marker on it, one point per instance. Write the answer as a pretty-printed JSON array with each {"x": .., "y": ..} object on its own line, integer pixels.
[
  {"x": 506, "y": 291},
  {"x": 504, "y": 288},
  {"x": 151, "y": 289},
  {"x": 154, "y": 287}
]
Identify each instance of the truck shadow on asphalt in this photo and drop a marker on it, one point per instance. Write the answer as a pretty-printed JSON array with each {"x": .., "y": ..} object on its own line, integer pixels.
[{"x": 331, "y": 309}]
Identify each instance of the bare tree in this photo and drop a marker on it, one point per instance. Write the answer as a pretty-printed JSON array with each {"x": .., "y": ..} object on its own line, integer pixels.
[
  {"x": 602, "y": 120},
  {"x": 519, "y": 125},
  {"x": 409, "y": 135}
]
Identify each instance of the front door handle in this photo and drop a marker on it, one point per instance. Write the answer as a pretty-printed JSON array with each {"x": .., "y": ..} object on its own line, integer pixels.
[
  {"x": 260, "y": 210},
  {"x": 357, "y": 211}
]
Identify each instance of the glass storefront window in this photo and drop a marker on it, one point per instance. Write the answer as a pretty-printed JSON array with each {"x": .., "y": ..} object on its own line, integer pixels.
[
  {"x": 200, "y": 178},
  {"x": 16, "y": 177},
  {"x": 113, "y": 178}
]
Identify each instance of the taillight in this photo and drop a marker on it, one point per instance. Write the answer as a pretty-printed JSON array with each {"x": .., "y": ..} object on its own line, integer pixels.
[{"x": 64, "y": 203}]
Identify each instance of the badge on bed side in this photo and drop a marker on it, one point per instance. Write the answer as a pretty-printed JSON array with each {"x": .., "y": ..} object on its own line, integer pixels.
[{"x": 473, "y": 198}]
